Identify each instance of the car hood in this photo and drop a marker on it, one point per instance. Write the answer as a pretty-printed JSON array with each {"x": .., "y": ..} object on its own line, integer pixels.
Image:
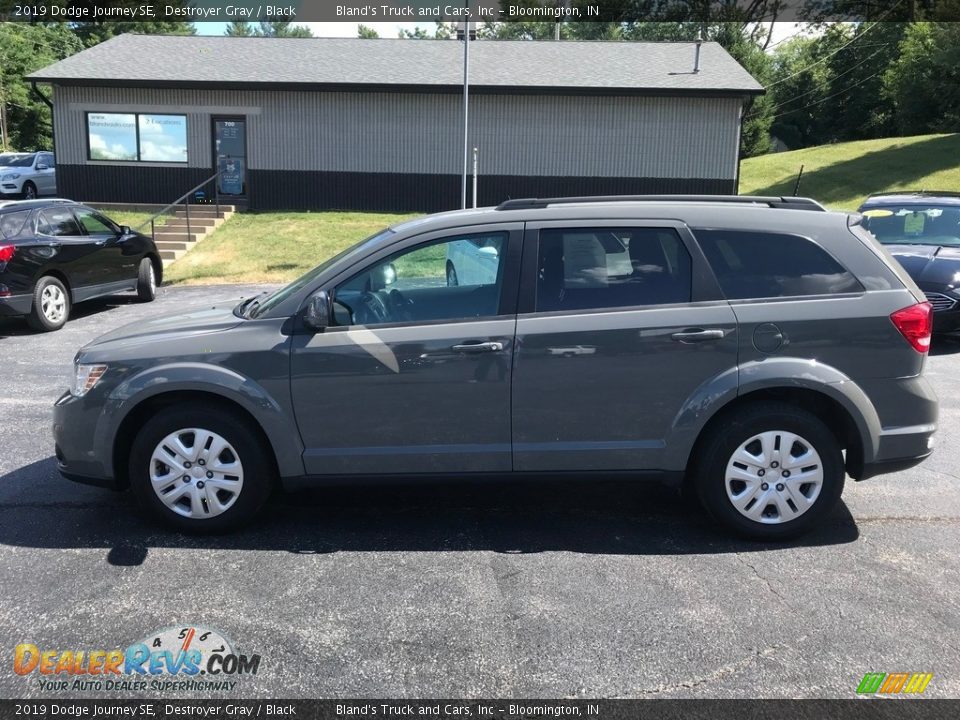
[
  {"x": 929, "y": 264},
  {"x": 200, "y": 321}
]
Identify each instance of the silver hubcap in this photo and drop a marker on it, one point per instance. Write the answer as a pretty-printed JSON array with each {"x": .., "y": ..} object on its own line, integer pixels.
[
  {"x": 196, "y": 473},
  {"x": 774, "y": 477},
  {"x": 53, "y": 303}
]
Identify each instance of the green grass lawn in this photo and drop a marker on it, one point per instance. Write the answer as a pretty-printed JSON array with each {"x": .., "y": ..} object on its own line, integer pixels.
[
  {"x": 842, "y": 175},
  {"x": 274, "y": 247}
]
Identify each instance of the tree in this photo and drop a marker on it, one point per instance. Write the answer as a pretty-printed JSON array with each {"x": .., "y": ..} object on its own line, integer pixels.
[
  {"x": 284, "y": 29},
  {"x": 93, "y": 33},
  {"x": 443, "y": 31},
  {"x": 239, "y": 28},
  {"x": 23, "y": 49},
  {"x": 366, "y": 32}
]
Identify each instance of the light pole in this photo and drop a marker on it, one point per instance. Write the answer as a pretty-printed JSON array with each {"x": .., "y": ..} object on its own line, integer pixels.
[{"x": 466, "y": 112}]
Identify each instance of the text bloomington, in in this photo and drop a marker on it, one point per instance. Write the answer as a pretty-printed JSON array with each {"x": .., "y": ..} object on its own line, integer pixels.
[{"x": 454, "y": 11}]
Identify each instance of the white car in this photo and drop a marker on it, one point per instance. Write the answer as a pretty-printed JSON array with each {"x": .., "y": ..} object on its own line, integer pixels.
[
  {"x": 473, "y": 261},
  {"x": 27, "y": 175}
]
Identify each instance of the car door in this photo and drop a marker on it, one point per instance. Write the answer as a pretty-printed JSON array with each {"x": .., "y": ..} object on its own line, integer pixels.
[
  {"x": 72, "y": 251},
  {"x": 117, "y": 262},
  {"x": 608, "y": 352},
  {"x": 45, "y": 174},
  {"x": 414, "y": 377}
]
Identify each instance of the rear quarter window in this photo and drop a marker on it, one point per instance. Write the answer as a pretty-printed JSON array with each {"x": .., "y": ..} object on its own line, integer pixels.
[
  {"x": 14, "y": 224},
  {"x": 754, "y": 265}
]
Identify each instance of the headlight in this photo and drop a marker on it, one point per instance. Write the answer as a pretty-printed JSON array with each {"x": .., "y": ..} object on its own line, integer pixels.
[
  {"x": 10, "y": 176},
  {"x": 86, "y": 378}
]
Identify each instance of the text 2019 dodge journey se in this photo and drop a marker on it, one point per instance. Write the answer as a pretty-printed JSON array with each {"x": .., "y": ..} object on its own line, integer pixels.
[{"x": 758, "y": 349}]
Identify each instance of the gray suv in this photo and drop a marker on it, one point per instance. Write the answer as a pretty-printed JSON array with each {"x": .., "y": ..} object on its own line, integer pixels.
[{"x": 756, "y": 350}]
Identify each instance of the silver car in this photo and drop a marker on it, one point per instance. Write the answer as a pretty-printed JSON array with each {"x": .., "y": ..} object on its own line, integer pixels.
[{"x": 27, "y": 175}]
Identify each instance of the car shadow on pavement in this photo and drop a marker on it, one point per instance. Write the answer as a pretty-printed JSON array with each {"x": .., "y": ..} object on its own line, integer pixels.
[
  {"x": 16, "y": 327},
  {"x": 583, "y": 516}
]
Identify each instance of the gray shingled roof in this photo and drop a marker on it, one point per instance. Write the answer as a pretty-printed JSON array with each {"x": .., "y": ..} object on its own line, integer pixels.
[{"x": 172, "y": 59}]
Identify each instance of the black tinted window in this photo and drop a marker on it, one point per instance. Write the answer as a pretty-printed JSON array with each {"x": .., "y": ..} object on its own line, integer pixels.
[
  {"x": 58, "y": 221},
  {"x": 586, "y": 268},
  {"x": 768, "y": 265},
  {"x": 15, "y": 224}
]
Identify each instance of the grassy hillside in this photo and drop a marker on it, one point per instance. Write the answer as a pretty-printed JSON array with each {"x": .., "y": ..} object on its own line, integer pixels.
[{"x": 842, "y": 175}]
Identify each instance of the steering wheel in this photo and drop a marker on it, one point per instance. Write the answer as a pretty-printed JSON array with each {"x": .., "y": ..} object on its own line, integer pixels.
[
  {"x": 401, "y": 307},
  {"x": 370, "y": 309}
]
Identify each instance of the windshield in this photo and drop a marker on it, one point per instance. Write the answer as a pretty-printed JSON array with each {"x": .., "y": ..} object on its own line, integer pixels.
[
  {"x": 255, "y": 308},
  {"x": 18, "y": 161},
  {"x": 914, "y": 224}
]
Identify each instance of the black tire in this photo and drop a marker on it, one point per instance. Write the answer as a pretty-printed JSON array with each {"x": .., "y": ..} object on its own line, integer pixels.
[
  {"x": 739, "y": 426},
  {"x": 452, "y": 280},
  {"x": 29, "y": 191},
  {"x": 37, "y": 319},
  {"x": 146, "y": 281},
  {"x": 254, "y": 456}
]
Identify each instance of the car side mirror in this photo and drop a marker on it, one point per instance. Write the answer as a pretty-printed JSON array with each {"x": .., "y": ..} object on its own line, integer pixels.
[
  {"x": 125, "y": 230},
  {"x": 382, "y": 276},
  {"x": 489, "y": 251},
  {"x": 317, "y": 315},
  {"x": 42, "y": 166}
]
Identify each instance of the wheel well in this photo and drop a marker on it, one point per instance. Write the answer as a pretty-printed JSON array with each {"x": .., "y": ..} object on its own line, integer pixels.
[
  {"x": 832, "y": 413},
  {"x": 136, "y": 418}
]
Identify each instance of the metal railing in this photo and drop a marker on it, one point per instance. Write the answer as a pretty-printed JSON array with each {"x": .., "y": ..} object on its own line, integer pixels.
[{"x": 185, "y": 200}]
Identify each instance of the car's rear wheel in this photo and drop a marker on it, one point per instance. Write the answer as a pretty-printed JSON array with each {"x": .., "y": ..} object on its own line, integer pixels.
[
  {"x": 770, "y": 471},
  {"x": 200, "y": 469},
  {"x": 146, "y": 281},
  {"x": 452, "y": 280},
  {"x": 51, "y": 305},
  {"x": 29, "y": 191}
]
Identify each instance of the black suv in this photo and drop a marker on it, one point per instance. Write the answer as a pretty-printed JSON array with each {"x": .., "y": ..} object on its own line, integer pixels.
[{"x": 54, "y": 253}]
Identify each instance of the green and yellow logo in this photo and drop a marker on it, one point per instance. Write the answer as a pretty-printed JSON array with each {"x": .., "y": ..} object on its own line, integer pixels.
[{"x": 894, "y": 683}]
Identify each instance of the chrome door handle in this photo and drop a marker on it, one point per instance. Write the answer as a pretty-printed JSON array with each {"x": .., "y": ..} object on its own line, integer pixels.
[
  {"x": 478, "y": 347},
  {"x": 689, "y": 336}
]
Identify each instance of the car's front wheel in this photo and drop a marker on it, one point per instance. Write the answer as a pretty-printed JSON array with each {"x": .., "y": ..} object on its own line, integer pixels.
[
  {"x": 146, "y": 281},
  {"x": 200, "y": 469},
  {"x": 29, "y": 191},
  {"x": 770, "y": 471}
]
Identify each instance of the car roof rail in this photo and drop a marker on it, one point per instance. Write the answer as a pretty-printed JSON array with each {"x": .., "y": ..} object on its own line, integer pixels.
[{"x": 785, "y": 202}]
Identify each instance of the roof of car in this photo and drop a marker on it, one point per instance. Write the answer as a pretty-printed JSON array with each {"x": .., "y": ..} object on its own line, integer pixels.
[
  {"x": 9, "y": 205},
  {"x": 185, "y": 60}
]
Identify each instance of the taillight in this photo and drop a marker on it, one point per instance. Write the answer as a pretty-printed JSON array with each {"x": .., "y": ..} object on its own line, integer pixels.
[
  {"x": 915, "y": 323},
  {"x": 7, "y": 252}
]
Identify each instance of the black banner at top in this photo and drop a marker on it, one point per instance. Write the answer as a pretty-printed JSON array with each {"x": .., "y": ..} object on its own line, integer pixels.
[{"x": 606, "y": 11}]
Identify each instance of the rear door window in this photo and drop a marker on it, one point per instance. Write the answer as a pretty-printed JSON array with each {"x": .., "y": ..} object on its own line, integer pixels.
[
  {"x": 596, "y": 268},
  {"x": 753, "y": 265},
  {"x": 58, "y": 222}
]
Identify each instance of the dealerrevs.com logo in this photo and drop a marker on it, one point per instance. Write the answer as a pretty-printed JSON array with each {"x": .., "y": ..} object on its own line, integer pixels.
[
  {"x": 903, "y": 683},
  {"x": 175, "y": 658}
]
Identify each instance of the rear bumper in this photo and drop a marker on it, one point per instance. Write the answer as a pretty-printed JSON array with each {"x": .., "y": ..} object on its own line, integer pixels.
[
  {"x": 15, "y": 305},
  {"x": 900, "y": 449}
]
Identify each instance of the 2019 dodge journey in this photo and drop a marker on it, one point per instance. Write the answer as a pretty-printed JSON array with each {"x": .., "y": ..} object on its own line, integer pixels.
[{"x": 757, "y": 349}]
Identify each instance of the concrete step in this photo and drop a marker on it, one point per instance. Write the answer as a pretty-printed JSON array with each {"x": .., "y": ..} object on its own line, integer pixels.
[
  {"x": 195, "y": 222},
  {"x": 202, "y": 212},
  {"x": 169, "y": 256},
  {"x": 178, "y": 236},
  {"x": 173, "y": 245}
]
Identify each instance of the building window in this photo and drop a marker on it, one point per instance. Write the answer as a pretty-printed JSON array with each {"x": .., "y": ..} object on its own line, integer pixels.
[{"x": 143, "y": 137}]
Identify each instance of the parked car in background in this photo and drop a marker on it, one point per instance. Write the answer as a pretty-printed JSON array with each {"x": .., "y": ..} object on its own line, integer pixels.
[
  {"x": 55, "y": 253},
  {"x": 28, "y": 175},
  {"x": 922, "y": 231},
  {"x": 758, "y": 350}
]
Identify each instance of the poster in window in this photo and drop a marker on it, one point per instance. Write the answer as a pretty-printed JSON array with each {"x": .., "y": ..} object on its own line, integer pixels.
[
  {"x": 163, "y": 138},
  {"x": 112, "y": 136},
  {"x": 231, "y": 176}
]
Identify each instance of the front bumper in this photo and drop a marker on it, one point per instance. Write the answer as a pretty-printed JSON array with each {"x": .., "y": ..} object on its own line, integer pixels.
[
  {"x": 75, "y": 423},
  {"x": 11, "y": 188},
  {"x": 15, "y": 305}
]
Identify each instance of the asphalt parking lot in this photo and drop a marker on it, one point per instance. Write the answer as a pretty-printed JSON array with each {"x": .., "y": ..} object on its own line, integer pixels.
[{"x": 531, "y": 591}]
